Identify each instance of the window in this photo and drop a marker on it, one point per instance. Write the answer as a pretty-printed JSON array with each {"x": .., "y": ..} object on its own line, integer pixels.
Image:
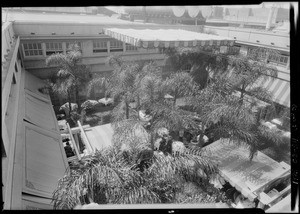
[
  {"x": 130, "y": 47},
  {"x": 99, "y": 47},
  {"x": 72, "y": 43},
  {"x": 53, "y": 47},
  {"x": 33, "y": 49},
  {"x": 116, "y": 46},
  {"x": 278, "y": 59}
]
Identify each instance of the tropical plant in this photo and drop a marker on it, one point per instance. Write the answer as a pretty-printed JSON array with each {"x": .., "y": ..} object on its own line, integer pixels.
[
  {"x": 71, "y": 75},
  {"x": 116, "y": 177}
]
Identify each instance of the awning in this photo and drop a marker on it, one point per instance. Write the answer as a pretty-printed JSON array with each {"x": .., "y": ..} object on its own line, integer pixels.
[
  {"x": 100, "y": 137},
  {"x": 279, "y": 88},
  {"x": 246, "y": 176},
  {"x": 149, "y": 38}
]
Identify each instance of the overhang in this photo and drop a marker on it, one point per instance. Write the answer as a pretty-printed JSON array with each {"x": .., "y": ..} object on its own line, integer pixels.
[
  {"x": 280, "y": 89},
  {"x": 248, "y": 177},
  {"x": 154, "y": 38}
]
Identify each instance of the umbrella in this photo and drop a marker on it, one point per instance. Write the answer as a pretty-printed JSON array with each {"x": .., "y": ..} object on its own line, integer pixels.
[
  {"x": 66, "y": 106},
  {"x": 162, "y": 131},
  {"x": 144, "y": 117},
  {"x": 106, "y": 101},
  {"x": 89, "y": 103},
  {"x": 168, "y": 96}
]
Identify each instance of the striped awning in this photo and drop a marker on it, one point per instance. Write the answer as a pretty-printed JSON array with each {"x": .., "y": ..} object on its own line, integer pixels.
[
  {"x": 149, "y": 38},
  {"x": 279, "y": 88}
]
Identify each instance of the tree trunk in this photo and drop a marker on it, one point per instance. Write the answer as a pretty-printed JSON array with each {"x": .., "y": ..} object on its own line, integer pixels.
[
  {"x": 242, "y": 94},
  {"x": 70, "y": 106},
  {"x": 77, "y": 99},
  {"x": 175, "y": 97},
  {"x": 138, "y": 102},
  {"x": 127, "y": 109}
]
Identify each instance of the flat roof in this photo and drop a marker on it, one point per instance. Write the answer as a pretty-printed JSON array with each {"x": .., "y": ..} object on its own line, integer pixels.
[{"x": 63, "y": 18}]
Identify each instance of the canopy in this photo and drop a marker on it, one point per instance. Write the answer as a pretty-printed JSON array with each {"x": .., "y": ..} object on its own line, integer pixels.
[
  {"x": 149, "y": 38},
  {"x": 279, "y": 88},
  {"x": 100, "y": 136},
  {"x": 248, "y": 177}
]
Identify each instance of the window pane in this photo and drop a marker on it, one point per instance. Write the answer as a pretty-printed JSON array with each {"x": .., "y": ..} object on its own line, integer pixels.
[
  {"x": 51, "y": 46},
  {"x": 29, "y": 46},
  {"x": 31, "y": 53},
  {"x": 26, "y": 53},
  {"x": 34, "y": 46},
  {"x": 35, "y": 52},
  {"x": 60, "y": 45},
  {"x": 40, "y": 52},
  {"x": 39, "y": 46},
  {"x": 25, "y": 46}
]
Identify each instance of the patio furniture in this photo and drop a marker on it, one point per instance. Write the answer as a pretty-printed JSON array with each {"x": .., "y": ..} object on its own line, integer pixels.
[{"x": 106, "y": 101}]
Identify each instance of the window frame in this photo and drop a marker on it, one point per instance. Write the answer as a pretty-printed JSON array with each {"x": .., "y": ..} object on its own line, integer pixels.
[
  {"x": 104, "y": 47},
  {"x": 54, "y": 50},
  {"x": 132, "y": 48},
  {"x": 39, "y": 49},
  {"x": 116, "y": 48}
]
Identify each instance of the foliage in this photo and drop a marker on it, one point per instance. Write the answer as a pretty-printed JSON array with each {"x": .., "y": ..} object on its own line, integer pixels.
[
  {"x": 115, "y": 176},
  {"x": 71, "y": 74}
]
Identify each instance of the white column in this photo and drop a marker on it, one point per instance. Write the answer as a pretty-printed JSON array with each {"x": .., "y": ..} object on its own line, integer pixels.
[
  {"x": 44, "y": 49},
  {"x": 124, "y": 47},
  {"x": 64, "y": 47},
  {"x": 108, "y": 46}
]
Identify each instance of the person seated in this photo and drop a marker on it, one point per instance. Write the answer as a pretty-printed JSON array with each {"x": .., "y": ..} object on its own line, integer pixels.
[{"x": 69, "y": 150}]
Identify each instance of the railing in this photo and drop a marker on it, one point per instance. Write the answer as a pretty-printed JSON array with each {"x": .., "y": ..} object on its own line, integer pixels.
[
  {"x": 85, "y": 139},
  {"x": 73, "y": 142}
]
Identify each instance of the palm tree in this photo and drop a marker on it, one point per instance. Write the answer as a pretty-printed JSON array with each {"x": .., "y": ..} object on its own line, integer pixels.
[
  {"x": 229, "y": 118},
  {"x": 130, "y": 171},
  {"x": 71, "y": 75}
]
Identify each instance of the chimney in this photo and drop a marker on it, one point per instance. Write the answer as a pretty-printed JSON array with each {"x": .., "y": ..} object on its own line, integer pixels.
[{"x": 270, "y": 18}]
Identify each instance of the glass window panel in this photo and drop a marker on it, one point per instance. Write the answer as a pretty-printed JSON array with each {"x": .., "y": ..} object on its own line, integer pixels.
[
  {"x": 40, "y": 52},
  {"x": 29, "y": 46},
  {"x": 34, "y": 46},
  {"x": 25, "y": 46},
  {"x": 36, "y": 52},
  {"x": 60, "y": 45},
  {"x": 31, "y": 53},
  {"x": 39, "y": 46},
  {"x": 51, "y": 46},
  {"x": 26, "y": 53}
]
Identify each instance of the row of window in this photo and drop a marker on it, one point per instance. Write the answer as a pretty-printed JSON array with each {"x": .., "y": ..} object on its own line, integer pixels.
[
  {"x": 262, "y": 54},
  {"x": 35, "y": 49}
]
